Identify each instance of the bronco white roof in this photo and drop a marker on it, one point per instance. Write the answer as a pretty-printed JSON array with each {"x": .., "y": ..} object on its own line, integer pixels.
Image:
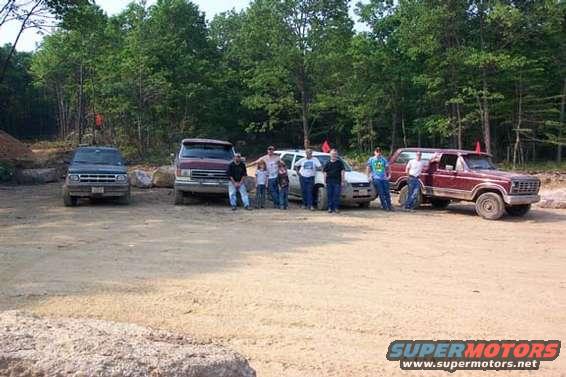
[{"x": 301, "y": 151}]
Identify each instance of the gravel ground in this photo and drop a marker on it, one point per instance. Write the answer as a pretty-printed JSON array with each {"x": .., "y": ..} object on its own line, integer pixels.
[{"x": 298, "y": 293}]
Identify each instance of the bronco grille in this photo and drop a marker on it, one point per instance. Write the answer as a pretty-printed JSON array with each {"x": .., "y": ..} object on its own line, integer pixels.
[
  {"x": 361, "y": 184},
  {"x": 97, "y": 178},
  {"x": 208, "y": 174},
  {"x": 525, "y": 187}
]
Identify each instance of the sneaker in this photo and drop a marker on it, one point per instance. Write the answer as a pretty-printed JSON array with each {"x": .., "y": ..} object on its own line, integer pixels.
[
  {"x": 233, "y": 208},
  {"x": 311, "y": 208},
  {"x": 330, "y": 211},
  {"x": 248, "y": 208}
]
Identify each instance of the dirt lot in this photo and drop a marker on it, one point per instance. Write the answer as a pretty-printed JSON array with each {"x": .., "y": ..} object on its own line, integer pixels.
[{"x": 301, "y": 294}]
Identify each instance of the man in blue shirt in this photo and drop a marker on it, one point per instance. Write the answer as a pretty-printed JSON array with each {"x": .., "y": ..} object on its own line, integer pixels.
[{"x": 378, "y": 172}]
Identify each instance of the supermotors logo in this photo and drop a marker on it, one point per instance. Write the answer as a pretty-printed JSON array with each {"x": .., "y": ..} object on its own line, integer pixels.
[{"x": 453, "y": 355}]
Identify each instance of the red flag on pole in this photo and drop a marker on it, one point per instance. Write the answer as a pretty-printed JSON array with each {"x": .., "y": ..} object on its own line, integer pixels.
[
  {"x": 478, "y": 147},
  {"x": 99, "y": 121},
  {"x": 325, "y": 146}
]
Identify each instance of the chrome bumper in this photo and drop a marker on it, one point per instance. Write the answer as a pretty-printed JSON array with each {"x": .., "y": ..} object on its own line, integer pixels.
[
  {"x": 520, "y": 199},
  {"x": 84, "y": 190},
  {"x": 198, "y": 187}
]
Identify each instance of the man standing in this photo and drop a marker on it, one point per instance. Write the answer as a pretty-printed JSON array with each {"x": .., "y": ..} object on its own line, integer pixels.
[
  {"x": 272, "y": 162},
  {"x": 236, "y": 173},
  {"x": 307, "y": 170},
  {"x": 413, "y": 169},
  {"x": 334, "y": 171},
  {"x": 378, "y": 172}
]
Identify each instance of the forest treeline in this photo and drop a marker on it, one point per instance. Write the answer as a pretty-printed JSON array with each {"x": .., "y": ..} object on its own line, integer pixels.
[{"x": 293, "y": 72}]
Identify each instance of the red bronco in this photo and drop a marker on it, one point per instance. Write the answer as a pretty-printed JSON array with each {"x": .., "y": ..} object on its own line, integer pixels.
[
  {"x": 459, "y": 175},
  {"x": 200, "y": 169}
]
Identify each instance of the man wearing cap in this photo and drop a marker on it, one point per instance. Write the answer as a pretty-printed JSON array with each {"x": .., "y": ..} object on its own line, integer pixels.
[
  {"x": 379, "y": 173},
  {"x": 236, "y": 173}
]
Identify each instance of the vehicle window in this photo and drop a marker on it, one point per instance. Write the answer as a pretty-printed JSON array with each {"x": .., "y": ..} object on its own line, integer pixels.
[
  {"x": 325, "y": 158},
  {"x": 407, "y": 156},
  {"x": 448, "y": 160},
  {"x": 214, "y": 151},
  {"x": 288, "y": 159},
  {"x": 98, "y": 157},
  {"x": 479, "y": 162}
]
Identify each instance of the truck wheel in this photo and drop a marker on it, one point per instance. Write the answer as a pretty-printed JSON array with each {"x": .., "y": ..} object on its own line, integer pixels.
[
  {"x": 179, "y": 197},
  {"x": 490, "y": 206},
  {"x": 70, "y": 201},
  {"x": 125, "y": 199},
  {"x": 519, "y": 210},
  {"x": 321, "y": 199},
  {"x": 403, "y": 197},
  {"x": 439, "y": 203}
]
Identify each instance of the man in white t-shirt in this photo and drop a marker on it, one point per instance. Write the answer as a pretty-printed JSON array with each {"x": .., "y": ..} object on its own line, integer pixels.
[
  {"x": 308, "y": 167},
  {"x": 272, "y": 162},
  {"x": 413, "y": 169}
]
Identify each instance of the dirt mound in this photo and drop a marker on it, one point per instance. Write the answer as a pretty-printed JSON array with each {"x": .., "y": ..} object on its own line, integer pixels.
[
  {"x": 33, "y": 346},
  {"x": 13, "y": 149}
]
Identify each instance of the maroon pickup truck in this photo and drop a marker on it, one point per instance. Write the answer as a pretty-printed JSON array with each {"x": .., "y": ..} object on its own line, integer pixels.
[
  {"x": 200, "y": 168},
  {"x": 460, "y": 175}
]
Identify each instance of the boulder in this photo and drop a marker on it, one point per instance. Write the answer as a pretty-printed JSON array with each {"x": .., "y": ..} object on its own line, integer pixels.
[
  {"x": 164, "y": 176},
  {"x": 553, "y": 199},
  {"x": 140, "y": 178},
  {"x": 37, "y": 176},
  {"x": 33, "y": 346}
]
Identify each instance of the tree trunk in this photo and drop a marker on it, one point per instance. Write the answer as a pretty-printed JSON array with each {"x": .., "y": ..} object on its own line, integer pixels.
[
  {"x": 403, "y": 129},
  {"x": 459, "y": 119},
  {"x": 486, "y": 123},
  {"x": 561, "y": 126},
  {"x": 393, "y": 130},
  {"x": 80, "y": 103},
  {"x": 518, "y": 129},
  {"x": 304, "y": 107}
]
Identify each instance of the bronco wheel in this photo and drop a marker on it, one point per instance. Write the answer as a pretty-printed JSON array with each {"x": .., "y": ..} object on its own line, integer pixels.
[
  {"x": 439, "y": 203},
  {"x": 518, "y": 211},
  {"x": 490, "y": 206},
  {"x": 179, "y": 197},
  {"x": 70, "y": 201},
  {"x": 403, "y": 197},
  {"x": 321, "y": 199}
]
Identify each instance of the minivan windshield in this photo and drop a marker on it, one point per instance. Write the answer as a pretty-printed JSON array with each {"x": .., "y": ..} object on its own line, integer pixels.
[
  {"x": 325, "y": 158},
  {"x": 98, "y": 157},
  {"x": 479, "y": 162},
  {"x": 214, "y": 151}
]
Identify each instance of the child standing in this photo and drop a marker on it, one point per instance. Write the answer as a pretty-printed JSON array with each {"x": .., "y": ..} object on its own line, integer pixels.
[
  {"x": 261, "y": 175},
  {"x": 283, "y": 182}
]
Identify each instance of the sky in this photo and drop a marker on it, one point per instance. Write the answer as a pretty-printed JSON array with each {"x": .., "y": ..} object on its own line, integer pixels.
[{"x": 30, "y": 38}]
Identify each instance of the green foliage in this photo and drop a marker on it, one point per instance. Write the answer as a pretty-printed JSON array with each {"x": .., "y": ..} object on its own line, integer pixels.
[{"x": 7, "y": 171}]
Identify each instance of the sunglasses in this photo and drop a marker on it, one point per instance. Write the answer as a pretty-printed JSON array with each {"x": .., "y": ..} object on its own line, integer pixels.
[{"x": 270, "y": 149}]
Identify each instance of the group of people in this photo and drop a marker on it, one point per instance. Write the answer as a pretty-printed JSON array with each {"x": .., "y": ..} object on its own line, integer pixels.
[{"x": 272, "y": 177}]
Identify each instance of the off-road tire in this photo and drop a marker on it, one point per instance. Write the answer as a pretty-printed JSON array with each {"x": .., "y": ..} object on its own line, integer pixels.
[
  {"x": 70, "y": 201},
  {"x": 490, "y": 206},
  {"x": 518, "y": 210},
  {"x": 439, "y": 203},
  {"x": 321, "y": 199},
  {"x": 179, "y": 197},
  {"x": 403, "y": 197}
]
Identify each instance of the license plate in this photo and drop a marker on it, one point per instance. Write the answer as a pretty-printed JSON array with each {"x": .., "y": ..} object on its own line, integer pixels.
[{"x": 98, "y": 190}]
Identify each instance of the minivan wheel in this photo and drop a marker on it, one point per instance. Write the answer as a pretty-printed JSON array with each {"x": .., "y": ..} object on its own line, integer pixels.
[
  {"x": 439, "y": 203},
  {"x": 518, "y": 210},
  {"x": 403, "y": 197},
  {"x": 490, "y": 206},
  {"x": 321, "y": 199},
  {"x": 179, "y": 197},
  {"x": 70, "y": 201}
]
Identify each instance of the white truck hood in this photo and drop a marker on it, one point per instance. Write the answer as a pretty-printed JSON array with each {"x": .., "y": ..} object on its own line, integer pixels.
[{"x": 356, "y": 177}]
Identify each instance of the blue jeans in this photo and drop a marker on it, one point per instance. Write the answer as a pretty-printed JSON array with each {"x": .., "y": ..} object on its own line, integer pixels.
[
  {"x": 274, "y": 190},
  {"x": 307, "y": 187},
  {"x": 233, "y": 192},
  {"x": 333, "y": 193},
  {"x": 260, "y": 196},
  {"x": 382, "y": 188},
  {"x": 283, "y": 197},
  {"x": 414, "y": 188}
]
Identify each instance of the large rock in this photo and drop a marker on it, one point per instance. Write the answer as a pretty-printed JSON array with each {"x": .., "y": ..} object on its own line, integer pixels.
[
  {"x": 140, "y": 178},
  {"x": 164, "y": 176},
  {"x": 553, "y": 199},
  {"x": 37, "y": 176},
  {"x": 31, "y": 346}
]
